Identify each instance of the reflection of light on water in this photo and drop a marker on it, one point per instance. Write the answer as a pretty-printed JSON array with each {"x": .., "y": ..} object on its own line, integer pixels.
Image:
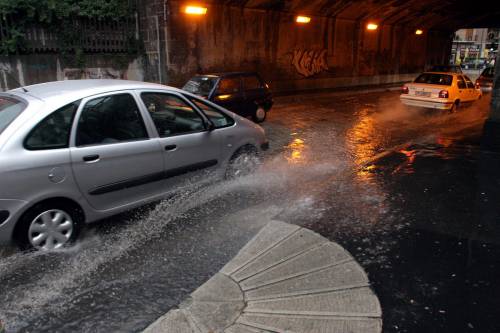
[
  {"x": 362, "y": 138},
  {"x": 297, "y": 147},
  {"x": 365, "y": 174},
  {"x": 410, "y": 154},
  {"x": 445, "y": 142},
  {"x": 363, "y": 141}
]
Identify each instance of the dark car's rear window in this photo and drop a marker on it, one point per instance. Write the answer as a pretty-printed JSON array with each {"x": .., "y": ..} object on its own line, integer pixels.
[
  {"x": 200, "y": 85},
  {"x": 488, "y": 72},
  {"x": 10, "y": 108},
  {"x": 432, "y": 78}
]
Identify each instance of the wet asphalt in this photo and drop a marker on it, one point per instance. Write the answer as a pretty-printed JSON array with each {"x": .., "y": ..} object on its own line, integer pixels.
[{"x": 408, "y": 192}]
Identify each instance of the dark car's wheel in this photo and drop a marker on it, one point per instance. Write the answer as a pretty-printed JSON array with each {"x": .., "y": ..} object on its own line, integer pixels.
[
  {"x": 48, "y": 226},
  {"x": 243, "y": 162},
  {"x": 259, "y": 114}
]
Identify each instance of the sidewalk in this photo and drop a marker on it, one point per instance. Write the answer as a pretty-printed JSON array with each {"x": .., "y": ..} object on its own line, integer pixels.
[{"x": 286, "y": 278}]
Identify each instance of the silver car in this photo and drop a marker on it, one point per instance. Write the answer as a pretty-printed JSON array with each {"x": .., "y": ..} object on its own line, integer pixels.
[{"x": 73, "y": 152}]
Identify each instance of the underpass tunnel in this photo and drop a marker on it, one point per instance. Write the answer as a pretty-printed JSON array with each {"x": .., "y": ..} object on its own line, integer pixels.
[{"x": 304, "y": 45}]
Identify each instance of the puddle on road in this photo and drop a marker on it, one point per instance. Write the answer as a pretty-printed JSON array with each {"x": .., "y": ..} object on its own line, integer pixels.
[{"x": 308, "y": 177}]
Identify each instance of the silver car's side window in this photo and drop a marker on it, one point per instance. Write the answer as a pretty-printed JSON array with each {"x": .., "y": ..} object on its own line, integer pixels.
[
  {"x": 110, "y": 119},
  {"x": 218, "y": 118},
  {"x": 53, "y": 132},
  {"x": 171, "y": 114}
]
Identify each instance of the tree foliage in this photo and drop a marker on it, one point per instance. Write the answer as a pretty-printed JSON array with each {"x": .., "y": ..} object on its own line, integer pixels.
[{"x": 56, "y": 15}]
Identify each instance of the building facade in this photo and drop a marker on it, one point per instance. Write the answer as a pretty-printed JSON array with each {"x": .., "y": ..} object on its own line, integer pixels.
[{"x": 475, "y": 48}]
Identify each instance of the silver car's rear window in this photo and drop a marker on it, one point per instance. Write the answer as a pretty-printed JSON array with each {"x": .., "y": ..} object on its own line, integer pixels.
[
  {"x": 431, "y": 78},
  {"x": 10, "y": 108}
]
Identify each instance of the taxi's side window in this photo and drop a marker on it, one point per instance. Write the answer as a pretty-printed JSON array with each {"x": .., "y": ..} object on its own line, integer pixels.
[
  {"x": 469, "y": 83},
  {"x": 460, "y": 82}
]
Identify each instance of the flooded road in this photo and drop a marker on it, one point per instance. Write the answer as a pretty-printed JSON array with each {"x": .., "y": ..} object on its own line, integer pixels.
[{"x": 400, "y": 189}]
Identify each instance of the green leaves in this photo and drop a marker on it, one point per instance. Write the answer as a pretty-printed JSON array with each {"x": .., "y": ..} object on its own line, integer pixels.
[{"x": 18, "y": 15}]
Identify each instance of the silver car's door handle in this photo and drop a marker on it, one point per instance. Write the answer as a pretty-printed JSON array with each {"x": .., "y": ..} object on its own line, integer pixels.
[
  {"x": 91, "y": 158},
  {"x": 170, "y": 147}
]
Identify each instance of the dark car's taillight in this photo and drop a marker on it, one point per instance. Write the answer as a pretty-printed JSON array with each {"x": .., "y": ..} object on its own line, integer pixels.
[
  {"x": 444, "y": 94},
  {"x": 405, "y": 90}
]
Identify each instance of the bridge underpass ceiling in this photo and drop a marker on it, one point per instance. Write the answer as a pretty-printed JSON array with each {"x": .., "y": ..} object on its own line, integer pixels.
[{"x": 426, "y": 14}]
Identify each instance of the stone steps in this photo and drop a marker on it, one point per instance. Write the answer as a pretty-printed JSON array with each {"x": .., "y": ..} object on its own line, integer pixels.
[{"x": 286, "y": 279}]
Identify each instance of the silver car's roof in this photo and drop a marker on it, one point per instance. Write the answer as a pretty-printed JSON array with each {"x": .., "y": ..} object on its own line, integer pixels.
[{"x": 77, "y": 89}]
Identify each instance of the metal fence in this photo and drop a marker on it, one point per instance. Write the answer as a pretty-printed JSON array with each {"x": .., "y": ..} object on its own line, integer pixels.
[{"x": 110, "y": 36}]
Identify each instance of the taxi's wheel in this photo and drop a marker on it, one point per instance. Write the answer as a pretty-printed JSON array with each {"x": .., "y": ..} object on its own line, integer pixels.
[{"x": 454, "y": 107}]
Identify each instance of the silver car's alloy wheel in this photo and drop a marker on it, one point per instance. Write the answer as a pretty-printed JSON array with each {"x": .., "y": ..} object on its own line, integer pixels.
[
  {"x": 243, "y": 165},
  {"x": 50, "y": 230}
]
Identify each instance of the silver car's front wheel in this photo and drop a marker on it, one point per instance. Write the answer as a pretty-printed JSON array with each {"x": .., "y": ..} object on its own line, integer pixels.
[
  {"x": 51, "y": 230},
  {"x": 243, "y": 163}
]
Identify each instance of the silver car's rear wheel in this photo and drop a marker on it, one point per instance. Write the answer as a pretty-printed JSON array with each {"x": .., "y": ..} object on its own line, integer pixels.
[{"x": 51, "y": 229}]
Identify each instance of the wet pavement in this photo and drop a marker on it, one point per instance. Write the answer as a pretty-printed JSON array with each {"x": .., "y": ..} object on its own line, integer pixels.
[{"x": 407, "y": 192}]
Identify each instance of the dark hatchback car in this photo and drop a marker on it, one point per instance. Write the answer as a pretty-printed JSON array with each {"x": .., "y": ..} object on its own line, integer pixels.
[
  {"x": 243, "y": 93},
  {"x": 485, "y": 80}
]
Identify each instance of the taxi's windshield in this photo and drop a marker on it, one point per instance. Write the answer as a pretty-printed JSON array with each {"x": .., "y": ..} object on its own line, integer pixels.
[{"x": 10, "y": 108}]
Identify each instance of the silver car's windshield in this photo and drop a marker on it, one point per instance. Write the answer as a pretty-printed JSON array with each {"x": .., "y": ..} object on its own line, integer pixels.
[
  {"x": 200, "y": 85},
  {"x": 10, "y": 108}
]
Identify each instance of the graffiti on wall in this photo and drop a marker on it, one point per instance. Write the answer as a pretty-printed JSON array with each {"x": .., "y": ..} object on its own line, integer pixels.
[{"x": 309, "y": 62}]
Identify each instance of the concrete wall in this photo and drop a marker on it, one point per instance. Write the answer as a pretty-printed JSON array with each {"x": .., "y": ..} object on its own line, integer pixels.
[
  {"x": 326, "y": 53},
  {"x": 37, "y": 68}
]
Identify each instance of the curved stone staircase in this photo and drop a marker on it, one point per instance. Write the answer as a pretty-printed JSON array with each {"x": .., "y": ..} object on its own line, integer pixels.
[{"x": 286, "y": 279}]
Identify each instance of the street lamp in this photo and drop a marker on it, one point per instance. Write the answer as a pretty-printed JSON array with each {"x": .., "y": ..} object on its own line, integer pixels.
[
  {"x": 302, "y": 19},
  {"x": 195, "y": 10},
  {"x": 372, "y": 26},
  {"x": 419, "y": 32}
]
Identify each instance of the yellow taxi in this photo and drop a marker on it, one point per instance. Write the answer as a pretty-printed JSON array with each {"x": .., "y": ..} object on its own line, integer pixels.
[{"x": 440, "y": 90}]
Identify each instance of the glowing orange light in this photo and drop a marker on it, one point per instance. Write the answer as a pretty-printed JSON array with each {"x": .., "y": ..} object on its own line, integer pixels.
[
  {"x": 419, "y": 32},
  {"x": 223, "y": 96},
  {"x": 297, "y": 147},
  {"x": 195, "y": 10},
  {"x": 302, "y": 19},
  {"x": 372, "y": 26}
]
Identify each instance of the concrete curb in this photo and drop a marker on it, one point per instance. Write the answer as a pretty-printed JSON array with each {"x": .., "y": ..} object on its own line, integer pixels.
[{"x": 286, "y": 279}]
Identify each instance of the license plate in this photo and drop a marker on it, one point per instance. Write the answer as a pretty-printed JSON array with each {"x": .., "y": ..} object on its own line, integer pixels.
[{"x": 423, "y": 93}]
